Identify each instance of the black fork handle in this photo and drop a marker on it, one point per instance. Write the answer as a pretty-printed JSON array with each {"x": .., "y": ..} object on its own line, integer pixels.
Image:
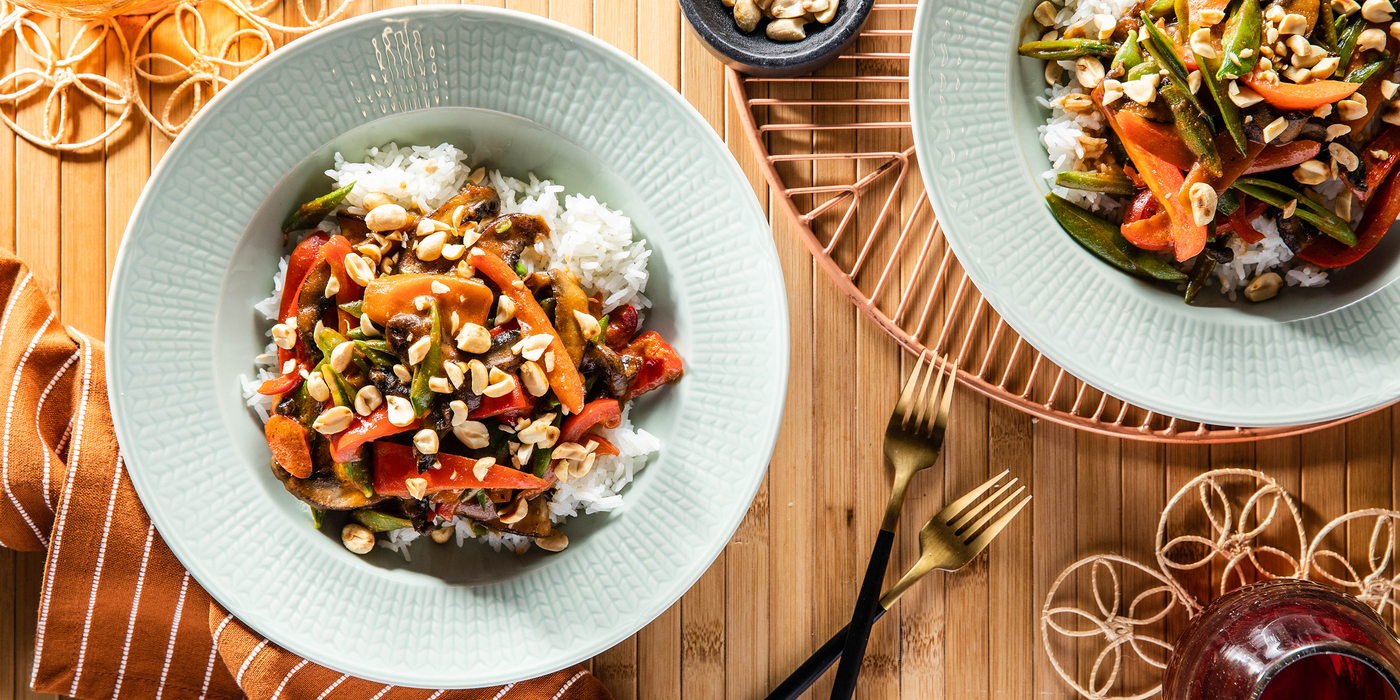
[
  {"x": 822, "y": 659},
  {"x": 858, "y": 632}
]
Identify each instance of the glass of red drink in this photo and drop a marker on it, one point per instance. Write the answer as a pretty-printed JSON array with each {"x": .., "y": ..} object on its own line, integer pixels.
[{"x": 1285, "y": 639}]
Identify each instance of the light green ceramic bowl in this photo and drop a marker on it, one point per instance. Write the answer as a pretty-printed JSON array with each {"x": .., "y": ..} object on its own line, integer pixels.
[
  {"x": 1306, "y": 356},
  {"x": 523, "y": 94}
]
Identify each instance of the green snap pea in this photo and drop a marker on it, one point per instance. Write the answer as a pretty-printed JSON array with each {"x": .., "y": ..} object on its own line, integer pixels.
[
  {"x": 381, "y": 357},
  {"x": 1365, "y": 72},
  {"x": 318, "y": 517},
  {"x": 1229, "y": 111},
  {"x": 354, "y": 308},
  {"x": 1129, "y": 55},
  {"x": 1163, "y": 50},
  {"x": 1227, "y": 202},
  {"x": 379, "y": 522},
  {"x": 1326, "y": 30},
  {"x": 315, "y": 210},
  {"x": 1192, "y": 126},
  {"x": 1064, "y": 49},
  {"x": 1106, "y": 241},
  {"x": 1200, "y": 276},
  {"x": 1278, "y": 195},
  {"x": 1162, "y": 8},
  {"x": 419, "y": 393},
  {"x": 1242, "y": 34},
  {"x": 357, "y": 473},
  {"x": 1113, "y": 183},
  {"x": 1346, "y": 41},
  {"x": 1148, "y": 66}
]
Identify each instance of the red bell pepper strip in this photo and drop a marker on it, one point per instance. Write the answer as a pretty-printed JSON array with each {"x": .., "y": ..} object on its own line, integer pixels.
[
  {"x": 516, "y": 403},
  {"x": 507, "y": 326},
  {"x": 1164, "y": 179},
  {"x": 1161, "y": 139},
  {"x": 286, "y": 437},
  {"x": 622, "y": 325},
  {"x": 304, "y": 257},
  {"x": 334, "y": 253},
  {"x": 346, "y": 443},
  {"x": 1151, "y": 233},
  {"x": 395, "y": 464},
  {"x": 1143, "y": 206},
  {"x": 564, "y": 379},
  {"x": 1377, "y": 168},
  {"x": 1380, "y": 214},
  {"x": 660, "y": 364},
  {"x": 1291, "y": 96},
  {"x": 1283, "y": 155},
  {"x": 1238, "y": 222},
  {"x": 607, "y": 412}
]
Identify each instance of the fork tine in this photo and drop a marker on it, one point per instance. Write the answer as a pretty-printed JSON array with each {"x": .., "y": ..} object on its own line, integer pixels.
[
  {"x": 905, "y": 397},
  {"x": 923, "y": 395},
  {"x": 947, "y": 405},
  {"x": 966, "y": 516},
  {"x": 951, "y": 511},
  {"x": 986, "y": 537},
  {"x": 991, "y": 513},
  {"x": 926, "y": 399}
]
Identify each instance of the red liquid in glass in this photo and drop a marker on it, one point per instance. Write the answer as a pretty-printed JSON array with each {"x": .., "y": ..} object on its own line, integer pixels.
[{"x": 1328, "y": 677}]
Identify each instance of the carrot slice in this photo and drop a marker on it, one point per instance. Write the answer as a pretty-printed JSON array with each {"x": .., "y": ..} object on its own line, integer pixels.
[
  {"x": 1291, "y": 96},
  {"x": 564, "y": 379},
  {"x": 287, "y": 439}
]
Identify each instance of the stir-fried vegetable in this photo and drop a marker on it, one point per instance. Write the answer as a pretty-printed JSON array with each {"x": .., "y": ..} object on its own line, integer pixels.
[
  {"x": 1096, "y": 182},
  {"x": 1285, "y": 197},
  {"x": 315, "y": 210},
  {"x": 1241, "y": 42},
  {"x": 1105, "y": 240},
  {"x": 1066, "y": 49}
]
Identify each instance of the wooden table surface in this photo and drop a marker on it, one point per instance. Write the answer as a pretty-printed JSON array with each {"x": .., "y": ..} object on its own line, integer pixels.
[{"x": 788, "y": 577}]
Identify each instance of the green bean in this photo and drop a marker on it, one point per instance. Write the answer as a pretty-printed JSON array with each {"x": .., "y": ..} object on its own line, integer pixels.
[
  {"x": 1129, "y": 54},
  {"x": 1327, "y": 25},
  {"x": 1229, "y": 111},
  {"x": 419, "y": 393},
  {"x": 1064, "y": 49},
  {"x": 1106, "y": 241},
  {"x": 357, "y": 473},
  {"x": 318, "y": 517},
  {"x": 340, "y": 391},
  {"x": 539, "y": 461},
  {"x": 1242, "y": 32},
  {"x": 1164, "y": 51},
  {"x": 1183, "y": 14},
  {"x": 1148, "y": 66},
  {"x": 1277, "y": 195},
  {"x": 379, "y": 522},
  {"x": 1192, "y": 126},
  {"x": 1200, "y": 275},
  {"x": 1347, "y": 41},
  {"x": 1113, "y": 183},
  {"x": 1227, "y": 202},
  {"x": 1162, "y": 8},
  {"x": 602, "y": 336},
  {"x": 1364, "y": 72},
  {"x": 315, "y": 210},
  {"x": 381, "y": 358}
]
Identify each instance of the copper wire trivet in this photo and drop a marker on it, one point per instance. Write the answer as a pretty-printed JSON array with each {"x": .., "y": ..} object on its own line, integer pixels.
[{"x": 873, "y": 231}]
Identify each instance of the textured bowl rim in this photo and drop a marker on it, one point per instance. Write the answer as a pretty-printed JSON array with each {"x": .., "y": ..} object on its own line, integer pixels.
[
  {"x": 1230, "y": 405},
  {"x": 746, "y": 491}
]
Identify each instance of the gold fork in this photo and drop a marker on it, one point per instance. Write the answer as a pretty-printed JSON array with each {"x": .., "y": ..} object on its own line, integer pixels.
[
  {"x": 912, "y": 445},
  {"x": 950, "y": 540}
]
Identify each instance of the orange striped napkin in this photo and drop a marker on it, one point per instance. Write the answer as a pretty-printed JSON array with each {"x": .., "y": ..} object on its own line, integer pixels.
[{"x": 118, "y": 615}]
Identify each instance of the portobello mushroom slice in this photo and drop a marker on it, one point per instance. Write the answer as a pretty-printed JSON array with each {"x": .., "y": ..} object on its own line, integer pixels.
[
  {"x": 568, "y": 298},
  {"x": 1263, "y": 114},
  {"x": 534, "y": 524},
  {"x": 353, "y": 228},
  {"x": 311, "y": 307},
  {"x": 1296, "y": 233},
  {"x": 1356, "y": 178},
  {"x": 327, "y": 488},
  {"x": 477, "y": 202},
  {"x": 615, "y": 371},
  {"x": 508, "y": 235}
]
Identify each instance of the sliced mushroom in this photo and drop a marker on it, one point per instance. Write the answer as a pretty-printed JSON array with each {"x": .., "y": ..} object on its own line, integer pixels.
[
  {"x": 1263, "y": 114},
  {"x": 500, "y": 356},
  {"x": 477, "y": 202},
  {"x": 327, "y": 488},
  {"x": 568, "y": 298},
  {"x": 352, "y": 227},
  {"x": 1296, "y": 233},
  {"x": 506, "y": 236},
  {"x": 616, "y": 371},
  {"x": 311, "y": 307}
]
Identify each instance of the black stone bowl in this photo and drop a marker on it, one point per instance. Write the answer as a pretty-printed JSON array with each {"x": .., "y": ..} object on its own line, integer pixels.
[{"x": 757, "y": 55}]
